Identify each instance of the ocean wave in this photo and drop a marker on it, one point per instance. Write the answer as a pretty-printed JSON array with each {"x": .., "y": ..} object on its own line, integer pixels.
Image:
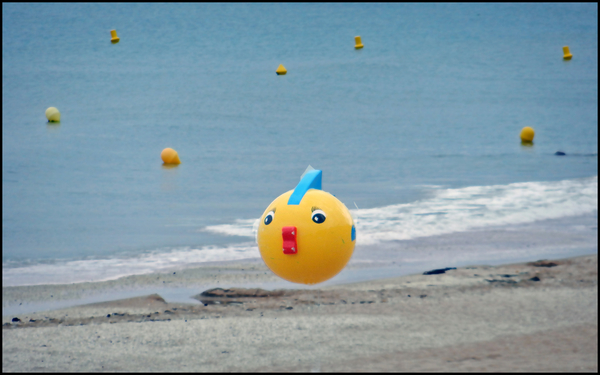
[
  {"x": 458, "y": 210},
  {"x": 94, "y": 270},
  {"x": 241, "y": 227},
  {"x": 462, "y": 209},
  {"x": 446, "y": 211}
]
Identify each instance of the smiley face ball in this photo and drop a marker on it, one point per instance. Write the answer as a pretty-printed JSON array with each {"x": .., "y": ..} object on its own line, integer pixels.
[{"x": 306, "y": 235}]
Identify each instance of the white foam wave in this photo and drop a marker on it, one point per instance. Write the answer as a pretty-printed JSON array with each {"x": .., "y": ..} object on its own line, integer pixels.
[
  {"x": 447, "y": 211},
  {"x": 457, "y": 210},
  {"x": 93, "y": 270},
  {"x": 241, "y": 227}
]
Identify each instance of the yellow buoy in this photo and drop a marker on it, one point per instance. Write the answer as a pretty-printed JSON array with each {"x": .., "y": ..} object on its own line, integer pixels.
[
  {"x": 567, "y": 53},
  {"x": 114, "y": 38},
  {"x": 527, "y": 134},
  {"x": 358, "y": 43},
  {"x": 170, "y": 156},
  {"x": 281, "y": 70},
  {"x": 53, "y": 115}
]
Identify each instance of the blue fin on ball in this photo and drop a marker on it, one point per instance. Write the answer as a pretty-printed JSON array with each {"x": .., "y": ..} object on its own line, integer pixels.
[{"x": 311, "y": 179}]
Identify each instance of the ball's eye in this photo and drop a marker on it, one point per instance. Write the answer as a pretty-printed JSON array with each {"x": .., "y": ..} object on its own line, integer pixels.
[
  {"x": 318, "y": 216},
  {"x": 269, "y": 218}
]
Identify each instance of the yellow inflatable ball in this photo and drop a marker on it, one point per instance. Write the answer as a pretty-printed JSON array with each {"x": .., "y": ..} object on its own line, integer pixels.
[
  {"x": 306, "y": 235},
  {"x": 53, "y": 115},
  {"x": 527, "y": 134},
  {"x": 170, "y": 156}
]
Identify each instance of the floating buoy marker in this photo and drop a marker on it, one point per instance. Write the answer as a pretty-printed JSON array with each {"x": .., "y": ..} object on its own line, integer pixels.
[
  {"x": 358, "y": 43},
  {"x": 567, "y": 53},
  {"x": 281, "y": 70},
  {"x": 114, "y": 38},
  {"x": 170, "y": 156},
  {"x": 53, "y": 115},
  {"x": 527, "y": 134}
]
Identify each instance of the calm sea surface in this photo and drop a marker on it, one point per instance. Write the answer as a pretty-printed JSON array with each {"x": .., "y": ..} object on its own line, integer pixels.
[{"x": 417, "y": 133}]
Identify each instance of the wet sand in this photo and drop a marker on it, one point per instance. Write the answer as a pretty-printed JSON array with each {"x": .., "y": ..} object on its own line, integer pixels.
[{"x": 540, "y": 316}]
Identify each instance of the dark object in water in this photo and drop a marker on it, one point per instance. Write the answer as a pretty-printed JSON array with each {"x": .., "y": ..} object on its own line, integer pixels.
[
  {"x": 15, "y": 320},
  {"x": 437, "y": 272},
  {"x": 560, "y": 153},
  {"x": 535, "y": 278}
]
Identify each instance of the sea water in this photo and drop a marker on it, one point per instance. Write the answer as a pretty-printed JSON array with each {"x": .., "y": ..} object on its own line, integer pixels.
[{"x": 417, "y": 133}]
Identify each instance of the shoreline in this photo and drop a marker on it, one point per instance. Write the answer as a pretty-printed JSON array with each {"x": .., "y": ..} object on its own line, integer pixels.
[
  {"x": 522, "y": 316},
  {"x": 180, "y": 286},
  {"x": 549, "y": 239}
]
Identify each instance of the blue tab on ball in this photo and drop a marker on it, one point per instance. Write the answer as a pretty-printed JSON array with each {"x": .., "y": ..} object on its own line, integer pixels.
[{"x": 311, "y": 180}]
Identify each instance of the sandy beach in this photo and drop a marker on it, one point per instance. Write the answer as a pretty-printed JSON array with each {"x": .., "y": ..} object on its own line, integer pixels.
[{"x": 535, "y": 316}]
